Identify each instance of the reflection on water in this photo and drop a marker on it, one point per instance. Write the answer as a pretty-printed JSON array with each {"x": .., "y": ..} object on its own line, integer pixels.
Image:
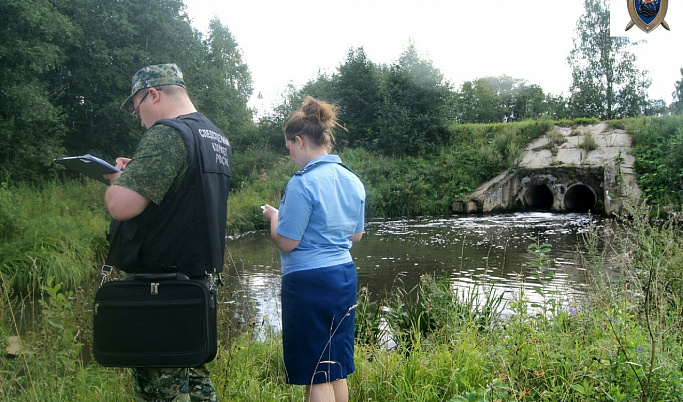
[{"x": 468, "y": 250}]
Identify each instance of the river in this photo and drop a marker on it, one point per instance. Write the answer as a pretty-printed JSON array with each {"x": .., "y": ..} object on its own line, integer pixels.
[{"x": 466, "y": 249}]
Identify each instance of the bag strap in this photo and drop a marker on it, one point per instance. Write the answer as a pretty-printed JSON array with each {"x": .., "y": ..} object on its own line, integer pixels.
[
  {"x": 158, "y": 277},
  {"x": 106, "y": 271}
]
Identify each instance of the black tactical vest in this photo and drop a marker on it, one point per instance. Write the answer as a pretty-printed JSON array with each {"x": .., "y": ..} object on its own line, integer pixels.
[{"x": 186, "y": 231}]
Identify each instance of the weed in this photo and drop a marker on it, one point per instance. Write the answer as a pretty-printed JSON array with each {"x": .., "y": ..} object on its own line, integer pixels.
[
  {"x": 544, "y": 275},
  {"x": 588, "y": 144},
  {"x": 555, "y": 137}
]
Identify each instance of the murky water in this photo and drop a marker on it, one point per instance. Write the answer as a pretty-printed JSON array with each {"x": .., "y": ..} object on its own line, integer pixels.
[{"x": 469, "y": 250}]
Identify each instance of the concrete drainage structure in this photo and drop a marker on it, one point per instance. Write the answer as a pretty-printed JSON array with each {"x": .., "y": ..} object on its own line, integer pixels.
[
  {"x": 562, "y": 176},
  {"x": 580, "y": 198}
]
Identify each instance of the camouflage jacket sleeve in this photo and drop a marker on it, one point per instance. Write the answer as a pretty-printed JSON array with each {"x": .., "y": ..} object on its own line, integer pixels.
[{"x": 158, "y": 165}]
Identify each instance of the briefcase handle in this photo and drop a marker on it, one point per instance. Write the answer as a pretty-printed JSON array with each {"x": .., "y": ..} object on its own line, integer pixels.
[{"x": 151, "y": 277}]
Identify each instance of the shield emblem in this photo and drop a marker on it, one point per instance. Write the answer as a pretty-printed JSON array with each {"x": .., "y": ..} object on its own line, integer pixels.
[{"x": 647, "y": 14}]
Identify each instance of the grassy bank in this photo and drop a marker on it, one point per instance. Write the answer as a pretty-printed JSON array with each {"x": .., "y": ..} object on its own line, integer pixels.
[
  {"x": 54, "y": 231},
  {"x": 620, "y": 341}
]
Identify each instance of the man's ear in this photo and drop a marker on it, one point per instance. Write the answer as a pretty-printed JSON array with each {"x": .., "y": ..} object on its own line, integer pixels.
[{"x": 154, "y": 94}]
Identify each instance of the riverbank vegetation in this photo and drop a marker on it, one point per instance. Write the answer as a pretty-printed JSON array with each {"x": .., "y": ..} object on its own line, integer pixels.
[
  {"x": 619, "y": 341},
  {"x": 397, "y": 185},
  {"x": 658, "y": 148}
]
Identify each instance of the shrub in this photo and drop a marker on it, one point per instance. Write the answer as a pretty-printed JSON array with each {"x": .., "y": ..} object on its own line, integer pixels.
[{"x": 658, "y": 148}]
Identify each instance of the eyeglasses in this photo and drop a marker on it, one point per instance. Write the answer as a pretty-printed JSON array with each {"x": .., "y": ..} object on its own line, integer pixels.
[{"x": 136, "y": 111}]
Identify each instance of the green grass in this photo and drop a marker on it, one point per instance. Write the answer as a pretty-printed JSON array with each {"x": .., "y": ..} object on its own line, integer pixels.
[
  {"x": 58, "y": 230},
  {"x": 620, "y": 341}
]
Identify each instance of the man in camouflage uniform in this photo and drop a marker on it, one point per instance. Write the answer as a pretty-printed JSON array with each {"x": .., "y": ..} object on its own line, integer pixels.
[{"x": 182, "y": 164}]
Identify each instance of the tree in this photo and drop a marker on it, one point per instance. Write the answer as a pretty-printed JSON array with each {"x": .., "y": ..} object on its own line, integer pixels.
[
  {"x": 605, "y": 81},
  {"x": 558, "y": 107},
  {"x": 530, "y": 103},
  {"x": 32, "y": 40},
  {"x": 116, "y": 38},
  {"x": 270, "y": 127},
  {"x": 224, "y": 85},
  {"x": 500, "y": 99},
  {"x": 416, "y": 107},
  {"x": 359, "y": 88},
  {"x": 656, "y": 107},
  {"x": 477, "y": 102},
  {"x": 66, "y": 66},
  {"x": 677, "y": 104}
]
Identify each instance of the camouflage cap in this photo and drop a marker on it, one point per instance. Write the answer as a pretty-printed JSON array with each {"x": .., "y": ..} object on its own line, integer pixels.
[{"x": 152, "y": 76}]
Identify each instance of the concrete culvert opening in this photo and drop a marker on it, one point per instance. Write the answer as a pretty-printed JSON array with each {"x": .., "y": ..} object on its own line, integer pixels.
[
  {"x": 538, "y": 197},
  {"x": 580, "y": 198}
]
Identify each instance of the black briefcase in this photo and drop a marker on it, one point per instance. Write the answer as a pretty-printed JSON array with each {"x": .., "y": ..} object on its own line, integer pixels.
[{"x": 155, "y": 320}]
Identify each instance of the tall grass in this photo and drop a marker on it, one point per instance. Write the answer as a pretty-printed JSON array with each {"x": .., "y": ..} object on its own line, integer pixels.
[
  {"x": 55, "y": 231},
  {"x": 617, "y": 342},
  {"x": 244, "y": 212},
  {"x": 52, "y": 363}
]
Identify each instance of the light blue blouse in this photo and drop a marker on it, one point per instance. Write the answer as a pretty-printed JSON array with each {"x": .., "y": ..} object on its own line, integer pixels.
[{"x": 323, "y": 206}]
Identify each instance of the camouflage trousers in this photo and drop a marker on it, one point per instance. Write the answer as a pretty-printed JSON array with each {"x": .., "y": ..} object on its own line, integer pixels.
[{"x": 173, "y": 384}]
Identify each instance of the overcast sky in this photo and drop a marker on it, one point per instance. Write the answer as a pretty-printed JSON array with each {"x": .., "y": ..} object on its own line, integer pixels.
[{"x": 286, "y": 41}]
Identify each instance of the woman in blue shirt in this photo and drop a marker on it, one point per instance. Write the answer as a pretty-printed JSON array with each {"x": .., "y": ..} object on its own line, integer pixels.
[{"x": 321, "y": 214}]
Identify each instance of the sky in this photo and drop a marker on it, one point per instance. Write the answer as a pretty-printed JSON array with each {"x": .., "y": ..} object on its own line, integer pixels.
[{"x": 289, "y": 42}]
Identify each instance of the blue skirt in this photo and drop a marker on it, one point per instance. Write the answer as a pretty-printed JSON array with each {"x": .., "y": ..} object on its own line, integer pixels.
[{"x": 318, "y": 318}]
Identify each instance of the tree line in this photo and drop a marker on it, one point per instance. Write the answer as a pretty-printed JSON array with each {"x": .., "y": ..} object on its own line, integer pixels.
[{"x": 65, "y": 66}]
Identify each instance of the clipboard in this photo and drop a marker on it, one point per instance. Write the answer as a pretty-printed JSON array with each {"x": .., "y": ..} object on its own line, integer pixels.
[{"x": 88, "y": 165}]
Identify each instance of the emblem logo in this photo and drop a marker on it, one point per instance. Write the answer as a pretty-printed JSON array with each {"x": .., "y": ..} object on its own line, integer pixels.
[{"x": 647, "y": 14}]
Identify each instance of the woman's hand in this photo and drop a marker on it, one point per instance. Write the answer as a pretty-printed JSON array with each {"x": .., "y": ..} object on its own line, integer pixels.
[
  {"x": 283, "y": 243},
  {"x": 269, "y": 212}
]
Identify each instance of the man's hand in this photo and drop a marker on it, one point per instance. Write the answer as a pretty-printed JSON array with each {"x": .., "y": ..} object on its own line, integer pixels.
[{"x": 121, "y": 163}]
